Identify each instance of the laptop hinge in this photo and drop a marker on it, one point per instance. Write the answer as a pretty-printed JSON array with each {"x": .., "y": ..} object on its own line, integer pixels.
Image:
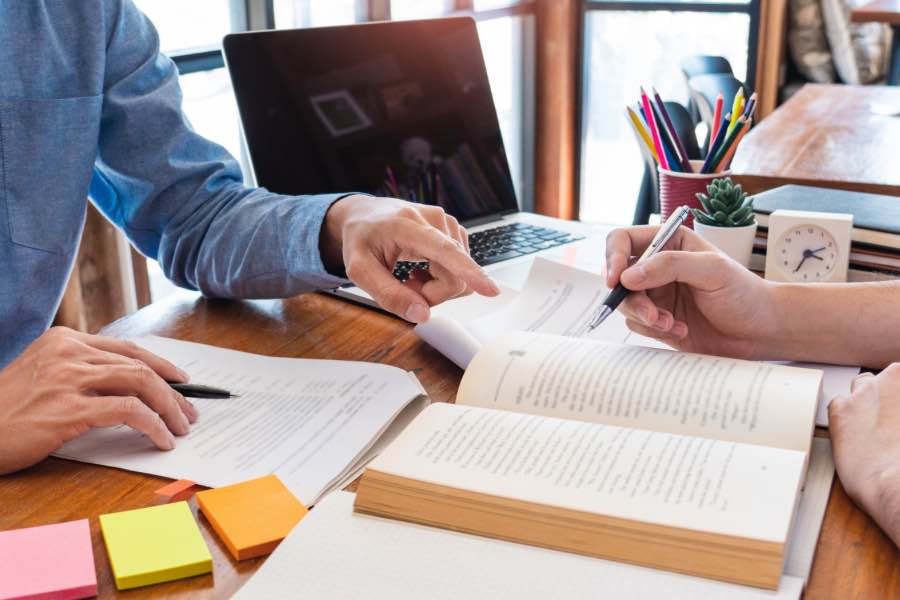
[{"x": 488, "y": 218}]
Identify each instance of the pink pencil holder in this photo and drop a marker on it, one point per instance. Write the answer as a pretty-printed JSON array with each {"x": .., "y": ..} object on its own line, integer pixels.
[{"x": 681, "y": 189}]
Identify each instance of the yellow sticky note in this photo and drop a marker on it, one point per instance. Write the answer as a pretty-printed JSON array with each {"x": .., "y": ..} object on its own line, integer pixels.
[
  {"x": 252, "y": 517},
  {"x": 156, "y": 544}
]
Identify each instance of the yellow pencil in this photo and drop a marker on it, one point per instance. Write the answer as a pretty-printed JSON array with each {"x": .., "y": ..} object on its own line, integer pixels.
[
  {"x": 641, "y": 130},
  {"x": 737, "y": 108}
]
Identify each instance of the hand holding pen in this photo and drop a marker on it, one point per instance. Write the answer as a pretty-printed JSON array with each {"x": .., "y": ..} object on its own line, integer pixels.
[
  {"x": 618, "y": 293},
  {"x": 690, "y": 295}
]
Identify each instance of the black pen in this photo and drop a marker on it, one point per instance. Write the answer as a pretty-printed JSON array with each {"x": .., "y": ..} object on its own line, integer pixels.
[
  {"x": 190, "y": 390},
  {"x": 619, "y": 293}
]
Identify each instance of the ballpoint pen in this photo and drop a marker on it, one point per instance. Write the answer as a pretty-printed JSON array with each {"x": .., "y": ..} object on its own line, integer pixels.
[
  {"x": 190, "y": 390},
  {"x": 662, "y": 237}
]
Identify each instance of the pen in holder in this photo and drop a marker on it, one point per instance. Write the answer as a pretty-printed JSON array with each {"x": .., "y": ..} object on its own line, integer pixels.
[{"x": 681, "y": 189}]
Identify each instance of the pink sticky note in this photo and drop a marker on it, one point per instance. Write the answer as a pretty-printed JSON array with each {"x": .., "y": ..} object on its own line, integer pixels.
[{"x": 53, "y": 562}]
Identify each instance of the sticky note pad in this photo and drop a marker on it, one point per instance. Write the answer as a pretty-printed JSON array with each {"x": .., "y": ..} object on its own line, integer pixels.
[
  {"x": 156, "y": 544},
  {"x": 251, "y": 517},
  {"x": 52, "y": 561}
]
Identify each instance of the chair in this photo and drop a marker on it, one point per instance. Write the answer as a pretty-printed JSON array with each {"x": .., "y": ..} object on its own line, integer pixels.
[
  {"x": 648, "y": 196},
  {"x": 703, "y": 64}
]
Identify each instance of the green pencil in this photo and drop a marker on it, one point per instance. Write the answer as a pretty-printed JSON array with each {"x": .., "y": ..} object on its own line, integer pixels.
[{"x": 729, "y": 140}]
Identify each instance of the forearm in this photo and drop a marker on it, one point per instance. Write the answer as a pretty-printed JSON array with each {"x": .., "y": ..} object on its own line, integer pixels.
[{"x": 855, "y": 323}]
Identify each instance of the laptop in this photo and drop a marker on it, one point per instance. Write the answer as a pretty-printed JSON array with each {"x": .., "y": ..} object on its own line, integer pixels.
[{"x": 400, "y": 109}]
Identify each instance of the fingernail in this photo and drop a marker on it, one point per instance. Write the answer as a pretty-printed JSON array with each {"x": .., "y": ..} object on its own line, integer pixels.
[
  {"x": 679, "y": 330},
  {"x": 184, "y": 376},
  {"x": 193, "y": 413},
  {"x": 185, "y": 425},
  {"x": 416, "y": 313},
  {"x": 637, "y": 274},
  {"x": 170, "y": 442},
  {"x": 644, "y": 314},
  {"x": 494, "y": 287}
]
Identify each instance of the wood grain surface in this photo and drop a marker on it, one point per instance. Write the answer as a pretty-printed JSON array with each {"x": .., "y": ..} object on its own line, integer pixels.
[
  {"x": 828, "y": 136},
  {"x": 854, "y": 559},
  {"x": 877, "y": 11}
]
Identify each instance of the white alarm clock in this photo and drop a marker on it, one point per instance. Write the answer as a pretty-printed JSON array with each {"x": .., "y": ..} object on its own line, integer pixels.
[{"x": 805, "y": 247}]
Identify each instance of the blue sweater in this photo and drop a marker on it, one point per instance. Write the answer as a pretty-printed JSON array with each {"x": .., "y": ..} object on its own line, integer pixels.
[{"x": 89, "y": 107}]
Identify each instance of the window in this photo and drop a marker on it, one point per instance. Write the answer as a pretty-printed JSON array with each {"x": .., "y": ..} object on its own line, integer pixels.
[
  {"x": 628, "y": 48},
  {"x": 313, "y": 13}
]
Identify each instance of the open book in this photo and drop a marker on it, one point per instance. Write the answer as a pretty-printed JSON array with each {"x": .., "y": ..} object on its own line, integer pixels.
[
  {"x": 315, "y": 423},
  {"x": 561, "y": 300},
  {"x": 666, "y": 459}
]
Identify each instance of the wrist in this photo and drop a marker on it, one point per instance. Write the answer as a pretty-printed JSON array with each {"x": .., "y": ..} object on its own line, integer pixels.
[{"x": 331, "y": 235}]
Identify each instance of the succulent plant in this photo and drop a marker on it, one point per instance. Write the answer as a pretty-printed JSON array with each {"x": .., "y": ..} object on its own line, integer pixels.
[{"x": 724, "y": 205}]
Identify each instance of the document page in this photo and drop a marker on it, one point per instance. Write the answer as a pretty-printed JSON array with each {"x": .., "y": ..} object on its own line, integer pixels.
[
  {"x": 308, "y": 421},
  {"x": 556, "y": 299},
  {"x": 333, "y": 548},
  {"x": 631, "y": 386},
  {"x": 679, "y": 481}
]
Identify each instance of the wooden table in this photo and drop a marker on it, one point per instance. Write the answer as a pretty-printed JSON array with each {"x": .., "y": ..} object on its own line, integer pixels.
[
  {"x": 854, "y": 559},
  {"x": 888, "y": 12},
  {"x": 827, "y": 136}
]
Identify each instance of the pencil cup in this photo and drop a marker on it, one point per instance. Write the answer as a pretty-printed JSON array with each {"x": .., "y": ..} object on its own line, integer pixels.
[{"x": 681, "y": 189}]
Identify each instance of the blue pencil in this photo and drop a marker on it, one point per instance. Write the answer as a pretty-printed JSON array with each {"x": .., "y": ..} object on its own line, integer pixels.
[{"x": 714, "y": 146}]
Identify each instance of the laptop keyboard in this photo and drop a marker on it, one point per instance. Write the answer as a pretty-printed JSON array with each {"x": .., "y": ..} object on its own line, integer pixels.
[{"x": 501, "y": 243}]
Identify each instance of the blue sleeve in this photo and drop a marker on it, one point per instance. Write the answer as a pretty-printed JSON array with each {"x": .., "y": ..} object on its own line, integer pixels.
[{"x": 180, "y": 198}]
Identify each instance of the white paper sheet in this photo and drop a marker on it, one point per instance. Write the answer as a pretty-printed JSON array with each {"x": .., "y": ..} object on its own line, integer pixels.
[
  {"x": 310, "y": 421},
  {"x": 334, "y": 554}
]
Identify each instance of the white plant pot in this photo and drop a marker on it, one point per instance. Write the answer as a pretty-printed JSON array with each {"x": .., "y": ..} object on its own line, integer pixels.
[{"x": 736, "y": 242}]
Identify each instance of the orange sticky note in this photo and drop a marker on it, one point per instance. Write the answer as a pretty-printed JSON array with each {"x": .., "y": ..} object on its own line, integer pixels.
[
  {"x": 251, "y": 517},
  {"x": 176, "y": 491}
]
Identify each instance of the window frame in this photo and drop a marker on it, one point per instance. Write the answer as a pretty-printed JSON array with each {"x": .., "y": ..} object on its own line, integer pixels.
[{"x": 752, "y": 8}]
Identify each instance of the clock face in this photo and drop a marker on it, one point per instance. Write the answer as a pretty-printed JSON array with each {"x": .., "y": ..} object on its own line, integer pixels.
[{"x": 806, "y": 253}]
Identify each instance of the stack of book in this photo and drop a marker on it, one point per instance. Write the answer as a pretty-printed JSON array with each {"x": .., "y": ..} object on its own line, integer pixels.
[{"x": 875, "y": 240}]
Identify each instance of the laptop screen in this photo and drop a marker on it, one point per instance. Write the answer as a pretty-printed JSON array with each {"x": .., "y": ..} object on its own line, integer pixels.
[{"x": 400, "y": 109}]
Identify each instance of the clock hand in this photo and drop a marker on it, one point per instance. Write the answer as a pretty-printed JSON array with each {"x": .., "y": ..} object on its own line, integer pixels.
[
  {"x": 816, "y": 257},
  {"x": 805, "y": 256},
  {"x": 816, "y": 250}
]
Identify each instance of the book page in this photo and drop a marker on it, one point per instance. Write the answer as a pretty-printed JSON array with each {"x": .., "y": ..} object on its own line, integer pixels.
[
  {"x": 631, "y": 386},
  {"x": 556, "y": 299},
  {"x": 333, "y": 548},
  {"x": 308, "y": 421},
  {"x": 695, "y": 483}
]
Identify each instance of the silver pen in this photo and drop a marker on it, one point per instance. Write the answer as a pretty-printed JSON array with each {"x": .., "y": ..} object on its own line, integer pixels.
[{"x": 662, "y": 237}]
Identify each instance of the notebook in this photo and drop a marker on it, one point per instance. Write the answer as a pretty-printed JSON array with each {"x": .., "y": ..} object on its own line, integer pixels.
[
  {"x": 314, "y": 423},
  {"x": 666, "y": 459}
]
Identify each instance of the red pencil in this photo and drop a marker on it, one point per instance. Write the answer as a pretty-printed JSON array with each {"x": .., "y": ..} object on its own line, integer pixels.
[
  {"x": 654, "y": 132},
  {"x": 717, "y": 117}
]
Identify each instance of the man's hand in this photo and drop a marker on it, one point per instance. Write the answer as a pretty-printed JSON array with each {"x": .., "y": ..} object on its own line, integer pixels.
[
  {"x": 368, "y": 235},
  {"x": 692, "y": 297},
  {"x": 67, "y": 383},
  {"x": 865, "y": 431}
]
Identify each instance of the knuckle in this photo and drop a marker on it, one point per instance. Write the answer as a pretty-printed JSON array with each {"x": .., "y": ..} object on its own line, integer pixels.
[
  {"x": 409, "y": 211},
  {"x": 129, "y": 406},
  {"x": 892, "y": 370}
]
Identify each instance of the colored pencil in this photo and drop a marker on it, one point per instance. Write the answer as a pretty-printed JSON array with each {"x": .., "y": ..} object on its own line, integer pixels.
[
  {"x": 736, "y": 108},
  {"x": 725, "y": 163},
  {"x": 668, "y": 146},
  {"x": 654, "y": 134},
  {"x": 717, "y": 117},
  {"x": 751, "y": 106},
  {"x": 639, "y": 130},
  {"x": 729, "y": 141},
  {"x": 714, "y": 145},
  {"x": 682, "y": 153}
]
